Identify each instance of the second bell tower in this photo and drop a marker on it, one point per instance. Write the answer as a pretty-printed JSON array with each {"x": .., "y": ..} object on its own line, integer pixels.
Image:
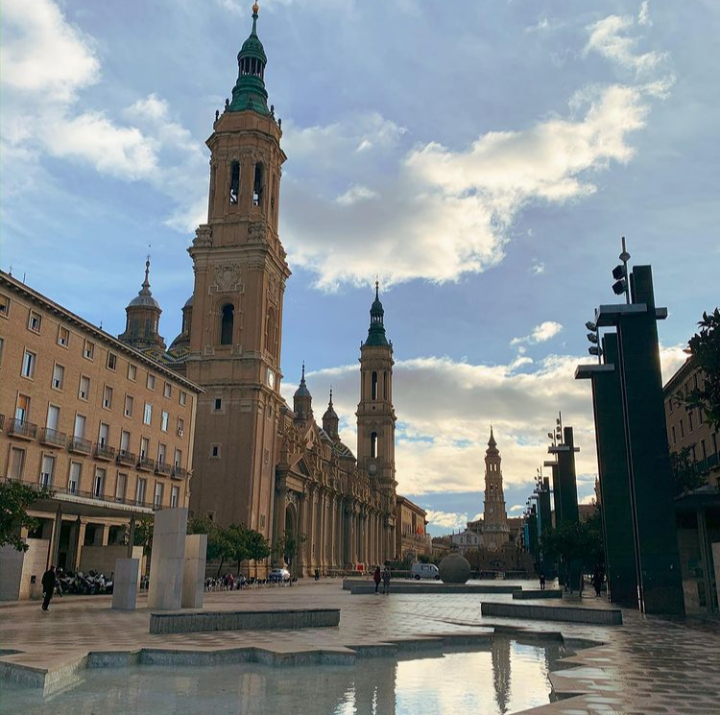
[{"x": 235, "y": 325}]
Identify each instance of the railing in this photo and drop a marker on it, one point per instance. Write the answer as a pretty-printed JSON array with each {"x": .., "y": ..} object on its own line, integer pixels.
[
  {"x": 179, "y": 472},
  {"x": 53, "y": 437},
  {"x": 125, "y": 457},
  {"x": 146, "y": 464},
  {"x": 102, "y": 451},
  {"x": 74, "y": 492},
  {"x": 80, "y": 445},
  {"x": 163, "y": 468},
  {"x": 22, "y": 429}
]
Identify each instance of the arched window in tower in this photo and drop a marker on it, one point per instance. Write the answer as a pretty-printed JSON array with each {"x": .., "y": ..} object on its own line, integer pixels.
[
  {"x": 385, "y": 385},
  {"x": 373, "y": 386},
  {"x": 234, "y": 182},
  {"x": 226, "y": 324},
  {"x": 258, "y": 185},
  {"x": 373, "y": 445}
]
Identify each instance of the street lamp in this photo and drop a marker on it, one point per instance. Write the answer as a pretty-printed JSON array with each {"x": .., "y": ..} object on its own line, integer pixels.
[{"x": 620, "y": 274}]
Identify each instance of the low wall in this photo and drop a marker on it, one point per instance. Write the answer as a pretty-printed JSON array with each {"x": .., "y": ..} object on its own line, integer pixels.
[
  {"x": 533, "y": 593},
  {"x": 569, "y": 614},
  {"x": 195, "y": 622},
  {"x": 359, "y": 587},
  {"x": 102, "y": 558}
]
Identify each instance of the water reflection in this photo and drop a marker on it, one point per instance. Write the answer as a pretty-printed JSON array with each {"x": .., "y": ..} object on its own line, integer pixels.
[{"x": 501, "y": 677}]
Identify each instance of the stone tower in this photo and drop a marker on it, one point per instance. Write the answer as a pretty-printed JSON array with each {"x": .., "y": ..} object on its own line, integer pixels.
[
  {"x": 234, "y": 319},
  {"x": 495, "y": 525},
  {"x": 143, "y": 318},
  {"x": 375, "y": 413}
]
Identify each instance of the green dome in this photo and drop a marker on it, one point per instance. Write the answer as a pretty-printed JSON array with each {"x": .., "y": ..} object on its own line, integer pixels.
[
  {"x": 249, "y": 92},
  {"x": 376, "y": 333}
]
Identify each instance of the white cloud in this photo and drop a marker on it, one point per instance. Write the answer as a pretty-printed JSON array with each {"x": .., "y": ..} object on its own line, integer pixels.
[
  {"x": 516, "y": 507},
  {"x": 447, "y": 520},
  {"x": 540, "y": 333},
  {"x": 537, "y": 268},
  {"x": 445, "y": 409},
  {"x": 440, "y": 213},
  {"x": 355, "y": 194},
  {"x": 47, "y": 63},
  {"x": 609, "y": 38}
]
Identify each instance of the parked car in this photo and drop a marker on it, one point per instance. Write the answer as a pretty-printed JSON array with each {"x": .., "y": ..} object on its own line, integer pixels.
[
  {"x": 279, "y": 576},
  {"x": 419, "y": 571}
]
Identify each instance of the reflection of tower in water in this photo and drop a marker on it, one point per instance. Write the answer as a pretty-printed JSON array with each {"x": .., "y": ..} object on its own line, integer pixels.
[{"x": 501, "y": 672}]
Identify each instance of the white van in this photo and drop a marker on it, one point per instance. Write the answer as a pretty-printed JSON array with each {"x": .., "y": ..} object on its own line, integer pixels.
[{"x": 419, "y": 571}]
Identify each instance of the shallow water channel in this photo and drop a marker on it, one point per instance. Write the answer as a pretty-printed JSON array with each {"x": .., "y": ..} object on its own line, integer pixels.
[{"x": 504, "y": 676}]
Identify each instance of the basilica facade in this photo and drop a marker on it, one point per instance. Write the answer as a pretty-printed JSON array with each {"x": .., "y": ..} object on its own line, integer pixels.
[{"x": 258, "y": 460}]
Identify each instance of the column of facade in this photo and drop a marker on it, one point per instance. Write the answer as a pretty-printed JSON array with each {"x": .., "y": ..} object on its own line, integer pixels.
[
  {"x": 311, "y": 530},
  {"x": 322, "y": 498},
  {"x": 278, "y": 525},
  {"x": 302, "y": 525},
  {"x": 332, "y": 529},
  {"x": 340, "y": 533},
  {"x": 347, "y": 534}
]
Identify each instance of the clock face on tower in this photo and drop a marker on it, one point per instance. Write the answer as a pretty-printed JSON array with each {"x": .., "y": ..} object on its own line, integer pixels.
[
  {"x": 270, "y": 377},
  {"x": 490, "y": 509},
  {"x": 372, "y": 468}
]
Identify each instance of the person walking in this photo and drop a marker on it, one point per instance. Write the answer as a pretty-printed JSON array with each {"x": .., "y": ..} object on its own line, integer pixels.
[
  {"x": 48, "y": 587},
  {"x": 542, "y": 581},
  {"x": 386, "y": 581},
  {"x": 377, "y": 577},
  {"x": 597, "y": 581}
]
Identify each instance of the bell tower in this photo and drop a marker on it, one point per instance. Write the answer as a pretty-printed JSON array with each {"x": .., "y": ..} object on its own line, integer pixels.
[
  {"x": 375, "y": 413},
  {"x": 235, "y": 322},
  {"x": 495, "y": 525}
]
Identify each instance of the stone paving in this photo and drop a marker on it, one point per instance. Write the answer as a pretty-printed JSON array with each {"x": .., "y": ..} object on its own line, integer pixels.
[{"x": 648, "y": 666}]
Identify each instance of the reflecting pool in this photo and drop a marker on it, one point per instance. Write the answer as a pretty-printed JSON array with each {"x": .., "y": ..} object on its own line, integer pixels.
[{"x": 504, "y": 676}]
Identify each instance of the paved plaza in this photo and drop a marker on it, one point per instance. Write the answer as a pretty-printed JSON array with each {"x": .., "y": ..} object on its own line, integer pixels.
[{"x": 648, "y": 665}]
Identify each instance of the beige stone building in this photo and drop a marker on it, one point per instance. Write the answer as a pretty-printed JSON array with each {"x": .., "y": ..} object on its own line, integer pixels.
[
  {"x": 257, "y": 460},
  {"x": 412, "y": 538},
  {"x": 107, "y": 429}
]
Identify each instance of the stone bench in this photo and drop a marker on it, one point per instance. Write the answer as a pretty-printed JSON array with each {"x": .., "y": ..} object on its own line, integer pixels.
[
  {"x": 199, "y": 621},
  {"x": 569, "y": 614},
  {"x": 530, "y": 594}
]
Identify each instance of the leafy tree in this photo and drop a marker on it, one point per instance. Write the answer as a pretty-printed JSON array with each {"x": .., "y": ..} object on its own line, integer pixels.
[
  {"x": 579, "y": 543},
  {"x": 686, "y": 476},
  {"x": 257, "y": 545},
  {"x": 15, "y": 498},
  {"x": 144, "y": 534},
  {"x": 704, "y": 349}
]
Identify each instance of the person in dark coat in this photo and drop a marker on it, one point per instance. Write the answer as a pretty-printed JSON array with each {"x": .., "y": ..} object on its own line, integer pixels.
[
  {"x": 377, "y": 577},
  {"x": 48, "y": 587}
]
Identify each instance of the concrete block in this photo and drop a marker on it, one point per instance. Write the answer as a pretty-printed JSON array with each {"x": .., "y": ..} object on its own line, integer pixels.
[
  {"x": 125, "y": 584},
  {"x": 533, "y": 593},
  {"x": 168, "y": 559},
  {"x": 211, "y": 621},
  {"x": 568, "y": 614},
  {"x": 193, "y": 588},
  {"x": 11, "y": 570}
]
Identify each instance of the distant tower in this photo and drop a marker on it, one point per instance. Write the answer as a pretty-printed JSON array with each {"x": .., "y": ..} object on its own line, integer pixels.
[
  {"x": 375, "y": 413},
  {"x": 302, "y": 400},
  {"x": 143, "y": 318},
  {"x": 331, "y": 421},
  {"x": 495, "y": 525}
]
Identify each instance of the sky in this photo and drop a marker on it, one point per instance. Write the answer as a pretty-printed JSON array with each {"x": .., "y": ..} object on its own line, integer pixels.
[{"x": 481, "y": 160}]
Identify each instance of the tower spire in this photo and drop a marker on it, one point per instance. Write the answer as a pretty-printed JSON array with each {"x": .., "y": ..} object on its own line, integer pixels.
[
  {"x": 249, "y": 93},
  {"x": 376, "y": 333}
]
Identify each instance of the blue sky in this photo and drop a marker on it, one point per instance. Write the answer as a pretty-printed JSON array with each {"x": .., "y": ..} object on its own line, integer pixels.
[{"x": 482, "y": 159}]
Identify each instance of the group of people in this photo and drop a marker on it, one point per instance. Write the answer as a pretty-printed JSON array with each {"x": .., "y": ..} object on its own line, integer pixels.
[
  {"x": 382, "y": 577},
  {"x": 597, "y": 580}
]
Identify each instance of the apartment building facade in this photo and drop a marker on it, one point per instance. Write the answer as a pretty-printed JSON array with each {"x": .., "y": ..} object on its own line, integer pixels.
[{"x": 107, "y": 429}]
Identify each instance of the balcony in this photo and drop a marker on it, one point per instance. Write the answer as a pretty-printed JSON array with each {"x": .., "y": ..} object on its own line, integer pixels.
[
  {"x": 145, "y": 464},
  {"x": 52, "y": 437},
  {"x": 102, "y": 451},
  {"x": 179, "y": 472},
  {"x": 80, "y": 445},
  {"x": 127, "y": 458},
  {"x": 163, "y": 468},
  {"x": 21, "y": 429}
]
